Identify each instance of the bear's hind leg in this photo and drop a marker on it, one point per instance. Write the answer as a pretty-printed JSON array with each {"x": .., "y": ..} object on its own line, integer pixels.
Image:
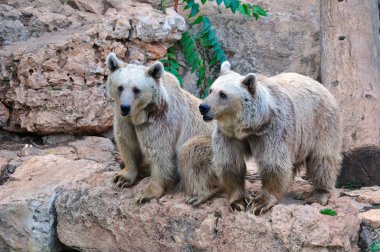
[{"x": 322, "y": 171}]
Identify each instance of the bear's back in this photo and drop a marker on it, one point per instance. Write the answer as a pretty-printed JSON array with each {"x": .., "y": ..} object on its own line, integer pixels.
[{"x": 314, "y": 108}]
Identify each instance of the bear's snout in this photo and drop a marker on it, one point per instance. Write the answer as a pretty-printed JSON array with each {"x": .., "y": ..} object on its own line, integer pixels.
[
  {"x": 125, "y": 109},
  {"x": 204, "y": 108}
]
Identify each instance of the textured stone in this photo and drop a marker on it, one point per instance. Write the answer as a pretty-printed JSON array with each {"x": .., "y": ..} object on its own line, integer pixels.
[
  {"x": 91, "y": 208},
  {"x": 27, "y": 200},
  {"x": 4, "y": 115},
  {"x": 57, "y": 74},
  {"x": 371, "y": 217},
  {"x": 288, "y": 40},
  {"x": 365, "y": 194},
  {"x": 94, "y": 6}
]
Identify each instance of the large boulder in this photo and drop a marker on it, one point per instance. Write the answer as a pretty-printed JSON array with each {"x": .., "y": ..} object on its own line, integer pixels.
[
  {"x": 53, "y": 71},
  {"x": 27, "y": 212},
  {"x": 93, "y": 216},
  {"x": 60, "y": 196}
]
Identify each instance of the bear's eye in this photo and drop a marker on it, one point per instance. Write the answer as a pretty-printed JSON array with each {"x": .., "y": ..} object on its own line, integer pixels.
[
  {"x": 136, "y": 91},
  {"x": 222, "y": 95},
  {"x": 120, "y": 88}
]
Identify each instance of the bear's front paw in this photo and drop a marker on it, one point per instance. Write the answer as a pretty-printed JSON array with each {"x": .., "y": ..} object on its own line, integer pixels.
[
  {"x": 239, "y": 205},
  {"x": 124, "y": 179},
  {"x": 196, "y": 200},
  {"x": 149, "y": 192},
  {"x": 263, "y": 203}
]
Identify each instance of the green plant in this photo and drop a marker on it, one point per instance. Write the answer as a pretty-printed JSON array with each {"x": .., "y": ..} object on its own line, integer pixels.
[
  {"x": 328, "y": 211},
  {"x": 350, "y": 185},
  {"x": 202, "y": 49},
  {"x": 375, "y": 247}
]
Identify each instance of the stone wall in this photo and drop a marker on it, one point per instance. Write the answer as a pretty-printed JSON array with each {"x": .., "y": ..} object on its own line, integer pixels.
[
  {"x": 52, "y": 56},
  {"x": 52, "y": 59},
  {"x": 288, "y": 40}
]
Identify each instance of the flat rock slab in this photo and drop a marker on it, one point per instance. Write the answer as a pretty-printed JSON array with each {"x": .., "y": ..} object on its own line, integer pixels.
[
  {"x": 371, "y": 217},
  {"x": 365, "y": 194},
  {"x": 27, "y": 213},
  {"x": 94, "y": 216}
]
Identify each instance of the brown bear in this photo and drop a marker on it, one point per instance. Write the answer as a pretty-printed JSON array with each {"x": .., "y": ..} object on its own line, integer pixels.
[
  {"x": 153, "y": 117},
  {"x": 201, "y": 180},
  {"x": 283, "y": 122}
]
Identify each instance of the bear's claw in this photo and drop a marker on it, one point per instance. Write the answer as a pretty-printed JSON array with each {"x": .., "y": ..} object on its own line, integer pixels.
[
  {"x": 263, "y": 203},
  {"x": 124, "y": 179}
]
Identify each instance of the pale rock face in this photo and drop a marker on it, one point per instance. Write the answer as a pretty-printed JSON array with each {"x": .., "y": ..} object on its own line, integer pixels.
[
  {"x": 371, "y": 217},
  {"x": 27, "y": 199},
  {"x": 55, "y": 61},
  {"x": 61, "y": 196}
]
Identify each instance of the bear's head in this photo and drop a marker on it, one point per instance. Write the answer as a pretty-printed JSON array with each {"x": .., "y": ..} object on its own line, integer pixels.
[
  {"x": 135, "y": 88},
  {"x": 238, "y": 103}
]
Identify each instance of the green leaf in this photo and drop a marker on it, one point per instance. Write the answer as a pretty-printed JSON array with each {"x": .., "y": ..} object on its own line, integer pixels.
[
  {"x": 189, "y": 4},
  {"x": 214, "y": 41},
  {"x": 246, "y": 8},
  {"x": 213, "y": 60},
  {"x": 189, "y": 51},
  {"x": 259, "y": 11},
  {"x": 195, "y": 65},
  {"x": 197, "y": 20},
  {"x": 241, "y": 9},
  {"x": 205, "y": 93},
  {"x": 234, "y": 5},
  {"x": 218, "y": 2},
  {"x": 211, "y": 34},
  {"x": 203, "y": 1},
  {"x": 227, "y": 3},
  {"x": 192, "y": 58},
  {"x": 194, "y": 10}
]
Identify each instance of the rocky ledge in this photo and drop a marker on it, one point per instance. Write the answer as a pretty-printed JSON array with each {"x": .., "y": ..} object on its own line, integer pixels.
[{"x": 60, "y": 197}]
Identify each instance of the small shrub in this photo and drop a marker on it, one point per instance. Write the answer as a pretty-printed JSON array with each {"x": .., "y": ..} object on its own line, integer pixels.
[
  {"x": 328, "y": 211},
  {"x": 375, "y": 247}
]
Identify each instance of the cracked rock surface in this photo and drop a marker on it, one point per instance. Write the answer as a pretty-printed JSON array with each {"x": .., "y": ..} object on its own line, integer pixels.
[
  {"x": 61, "y": 196},
  {"x": 52, "y": 59}
]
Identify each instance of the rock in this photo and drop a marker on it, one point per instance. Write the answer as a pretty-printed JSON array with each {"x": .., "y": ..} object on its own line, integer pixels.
[
  {"x": 288, "y": 40},
  {"x": 98, "y": 149},
  {"x": 27, "y": 201},
  {"x": 4, "y": 115},
  {"x": 94, "y": 6},
  {"x": 91, "y": 208},
  {"x": 56, "y": 60},
  {"x": 371, "y": 217},
  {"x": 57, "y": 139},
  {"x": 368, "y": 237},
  {"x": 365, "y": 194}
]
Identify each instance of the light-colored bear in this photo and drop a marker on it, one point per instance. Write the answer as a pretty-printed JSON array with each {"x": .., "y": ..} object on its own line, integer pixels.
[
  {"x": 201, "y": 180},
  {"x": 284, "y": 122},
  {"x": 153, "y": 118}
]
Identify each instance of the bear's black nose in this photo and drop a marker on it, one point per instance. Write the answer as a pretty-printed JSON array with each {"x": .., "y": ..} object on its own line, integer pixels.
[
  {"x": 125, "y": 109},
  {"x": 204, "y": 108}
]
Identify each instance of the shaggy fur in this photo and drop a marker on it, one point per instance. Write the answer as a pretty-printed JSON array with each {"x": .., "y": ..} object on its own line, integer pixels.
[
  {"x": 162, "y": 117},
  {"x": 201, "y": 180},
  {"x": 287, "y": 120}
]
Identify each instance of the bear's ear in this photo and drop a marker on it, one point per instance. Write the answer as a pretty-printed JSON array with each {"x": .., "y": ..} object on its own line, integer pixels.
[
  {"x": 156, "y": 70},
  {"x": 225, "y": 67},
  {"x": 250, "y": 82},
  {"x": 113, "y": 63}
]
